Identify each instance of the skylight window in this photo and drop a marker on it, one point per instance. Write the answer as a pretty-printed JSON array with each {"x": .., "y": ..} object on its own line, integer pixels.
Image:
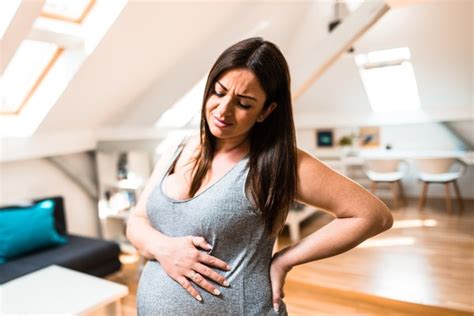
[
  {"x": 389, "y": 80},
  {"x": 67, "y": 10},
  {"x": 24, "y": 73},
  {"x": 48, "y": 58},
  {"x": 7, "y": 12}
]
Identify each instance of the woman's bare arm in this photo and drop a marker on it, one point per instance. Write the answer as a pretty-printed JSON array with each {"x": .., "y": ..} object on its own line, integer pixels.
[{"x": 359, "y": 214}]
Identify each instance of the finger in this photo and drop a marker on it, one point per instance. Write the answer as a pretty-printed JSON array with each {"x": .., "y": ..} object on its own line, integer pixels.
[
  {"x": 276, "y": 294},
  {"x": 200, "y": 242},
  {"x": 276, "y": 304},
  {"x": 199, "y": 280},
  {"x": 211, "y": 260},
  {"x": 210, "y": 274},
  {"x": 188, "y": 287}
]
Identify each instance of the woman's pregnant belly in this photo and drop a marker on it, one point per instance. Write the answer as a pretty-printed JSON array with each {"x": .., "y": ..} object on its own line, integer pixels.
[{"x": 159, "y": 294}]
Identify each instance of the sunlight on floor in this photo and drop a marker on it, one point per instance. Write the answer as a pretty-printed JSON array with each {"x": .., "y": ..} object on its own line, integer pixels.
[
  {"x": 415, "y": 223},
  {"x": 385, "y": 242},
  {"x": 129, "y": 258}
]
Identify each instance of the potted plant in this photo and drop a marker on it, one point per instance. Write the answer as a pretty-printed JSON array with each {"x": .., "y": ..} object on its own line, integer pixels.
[{"x": 347, "y": 142}]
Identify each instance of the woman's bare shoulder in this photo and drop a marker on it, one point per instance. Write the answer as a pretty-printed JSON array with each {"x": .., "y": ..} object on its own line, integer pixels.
[
  {"x": 190, "y": 151},
  {"x": 303, "y": 157}
]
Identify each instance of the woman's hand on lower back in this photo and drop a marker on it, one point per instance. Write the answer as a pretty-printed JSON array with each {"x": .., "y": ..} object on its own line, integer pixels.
[
  {"x": 181, "y": 259},
  {"x": 278, "y": 272}
]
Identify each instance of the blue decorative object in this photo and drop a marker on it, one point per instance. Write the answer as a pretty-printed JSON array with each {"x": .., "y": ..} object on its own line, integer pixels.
[
  {"x": 324, "y": 138},
  {"x": 28, "y": 229}
]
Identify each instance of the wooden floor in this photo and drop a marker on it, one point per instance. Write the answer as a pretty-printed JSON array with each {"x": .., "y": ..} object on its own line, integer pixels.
[{"x": 424, "y": 265}]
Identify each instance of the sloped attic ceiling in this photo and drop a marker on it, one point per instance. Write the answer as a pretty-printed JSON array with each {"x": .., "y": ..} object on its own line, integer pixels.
[
  {"x": 154, "y": 53},
  {"x": 157, "y": 51},
  {"x": 439, "y": 35}
]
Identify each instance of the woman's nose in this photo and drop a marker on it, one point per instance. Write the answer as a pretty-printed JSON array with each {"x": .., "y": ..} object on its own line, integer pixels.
[{"x": 224, "y": 109}]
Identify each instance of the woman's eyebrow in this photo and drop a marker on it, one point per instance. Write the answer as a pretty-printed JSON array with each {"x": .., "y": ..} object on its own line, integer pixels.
[{"x": 239, "y": 95}]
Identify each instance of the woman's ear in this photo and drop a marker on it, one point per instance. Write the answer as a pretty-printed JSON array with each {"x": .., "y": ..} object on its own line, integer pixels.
[{"x": 265, "y": 113}]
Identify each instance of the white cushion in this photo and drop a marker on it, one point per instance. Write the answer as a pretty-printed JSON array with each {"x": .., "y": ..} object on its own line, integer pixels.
[
  {"x": 439, "y": 177},
  {"x": 384, "y": 176}
]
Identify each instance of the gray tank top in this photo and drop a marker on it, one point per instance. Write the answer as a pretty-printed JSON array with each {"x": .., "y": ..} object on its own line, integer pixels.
[{"x": 224, "y": 216}]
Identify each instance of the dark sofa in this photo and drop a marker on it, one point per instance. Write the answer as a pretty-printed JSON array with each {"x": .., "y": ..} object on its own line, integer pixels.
[{"x": 89, "y": 255}]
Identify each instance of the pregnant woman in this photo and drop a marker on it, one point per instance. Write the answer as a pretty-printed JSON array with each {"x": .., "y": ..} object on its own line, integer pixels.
[{"x": 208, "y": 217}]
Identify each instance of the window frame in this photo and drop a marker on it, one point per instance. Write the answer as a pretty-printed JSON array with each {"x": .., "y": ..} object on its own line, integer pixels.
[
  {"x": 65, "y": 18},
  {"x": 54, "y": 58}
]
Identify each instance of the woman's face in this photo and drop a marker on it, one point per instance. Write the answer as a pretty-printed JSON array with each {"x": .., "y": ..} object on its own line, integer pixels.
[{"x": 236, "y": 104}]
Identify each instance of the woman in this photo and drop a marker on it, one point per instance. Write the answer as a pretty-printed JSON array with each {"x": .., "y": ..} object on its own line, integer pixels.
[{"x": 211, "y": 211}]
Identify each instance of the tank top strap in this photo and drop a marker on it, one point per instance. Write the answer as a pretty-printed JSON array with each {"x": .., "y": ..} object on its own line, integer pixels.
[{"x": 176, "y": 154}]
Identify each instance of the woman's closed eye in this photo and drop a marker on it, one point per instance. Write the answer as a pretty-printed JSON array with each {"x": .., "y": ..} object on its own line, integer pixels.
[
  {"x": 245, "y": 106},
  {"x": 220, "y": 95}
]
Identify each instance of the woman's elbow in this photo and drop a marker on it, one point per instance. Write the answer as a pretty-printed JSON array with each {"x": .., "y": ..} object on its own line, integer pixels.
[{"x": 385, "y": 218}]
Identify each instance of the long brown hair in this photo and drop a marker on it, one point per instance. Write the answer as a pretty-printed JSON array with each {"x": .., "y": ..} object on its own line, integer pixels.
[{"x": 272, "y": 160}]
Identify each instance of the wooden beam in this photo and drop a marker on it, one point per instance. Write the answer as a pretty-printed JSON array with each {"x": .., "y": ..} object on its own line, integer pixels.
[
  {"x": 88, "y": 185},
  {"x": 340, "y": 40}
]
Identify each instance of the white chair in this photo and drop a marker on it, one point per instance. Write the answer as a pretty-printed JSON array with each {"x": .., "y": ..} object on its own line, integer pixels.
[
  {"x": 443, "y": 171},
  {"x": 389, "y": 171}
]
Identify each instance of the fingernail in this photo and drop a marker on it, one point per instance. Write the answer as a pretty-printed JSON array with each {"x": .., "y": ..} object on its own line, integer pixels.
[
  {"x": 199, "y": 298},
  {"x": 209, "y": 246},
  {"x": 226, "y": 283},
  {"x": 228, "y": 267},
  {"x": 276, "y": 307},
  {"x": 217, "y": 292}
]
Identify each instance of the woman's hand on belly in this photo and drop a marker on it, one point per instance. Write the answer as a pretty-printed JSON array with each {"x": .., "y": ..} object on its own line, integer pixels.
[{"x": 181, "y": 260}]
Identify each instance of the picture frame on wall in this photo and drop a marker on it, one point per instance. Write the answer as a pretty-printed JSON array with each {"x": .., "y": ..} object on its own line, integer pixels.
[
  {"x": 324, "y": 138},
  {"x": 369, "y": 136}
]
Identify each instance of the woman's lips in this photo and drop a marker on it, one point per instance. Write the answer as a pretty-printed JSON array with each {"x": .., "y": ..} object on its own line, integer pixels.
[{"x": 220, "y": 123}]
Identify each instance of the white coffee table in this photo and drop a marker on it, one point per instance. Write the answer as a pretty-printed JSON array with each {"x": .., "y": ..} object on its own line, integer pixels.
[{"x": 57, "y": 290}]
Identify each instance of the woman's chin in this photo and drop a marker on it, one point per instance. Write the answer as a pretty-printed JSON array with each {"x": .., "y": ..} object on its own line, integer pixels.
[{"x": 218, "y": 133}]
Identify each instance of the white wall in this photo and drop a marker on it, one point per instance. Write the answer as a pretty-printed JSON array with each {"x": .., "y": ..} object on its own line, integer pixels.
[
  {"x": 410, "y": 137},
  {"x": 427, "y": 136},
  {"x": 38, "y": 178}
]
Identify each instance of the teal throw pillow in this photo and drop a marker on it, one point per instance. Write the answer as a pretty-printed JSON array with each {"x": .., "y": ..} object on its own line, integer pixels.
[{"x": 27, "y": 229}]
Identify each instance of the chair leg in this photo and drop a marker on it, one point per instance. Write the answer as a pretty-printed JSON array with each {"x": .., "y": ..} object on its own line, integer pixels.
[
  {"x": 448, "y": 198},
  {"x": 402, "y": 193},
  {"x": 373, "y": 187},
  {"x": 458, "y": 195},
  {"x": 294, "y": 231},
  {"x": 394, "y": 194},
  {"x": 422, "y": 201}
]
